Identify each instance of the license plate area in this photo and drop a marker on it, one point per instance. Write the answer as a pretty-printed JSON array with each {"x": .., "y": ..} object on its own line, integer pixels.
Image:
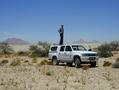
[{"x": 92, "y": 58}]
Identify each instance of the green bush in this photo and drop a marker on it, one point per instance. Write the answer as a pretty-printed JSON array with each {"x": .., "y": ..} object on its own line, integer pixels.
[
  {"x": 105, "y": 50},
  {"x": 5, "y": 48},
  {"x": 40, "y": 50},
  {"x": 114, "y": 45}
]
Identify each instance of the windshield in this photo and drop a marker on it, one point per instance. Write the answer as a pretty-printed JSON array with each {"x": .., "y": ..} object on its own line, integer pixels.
[{"x": 78, "y": 48}]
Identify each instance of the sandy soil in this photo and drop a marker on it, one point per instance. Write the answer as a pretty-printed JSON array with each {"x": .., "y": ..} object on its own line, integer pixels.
[
  {"x": 20, "y": 47},
  {"x": 30, "y": 76}
]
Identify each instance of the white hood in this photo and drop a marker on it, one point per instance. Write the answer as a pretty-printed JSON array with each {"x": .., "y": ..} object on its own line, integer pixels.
[{"x": 86, "y": 52}]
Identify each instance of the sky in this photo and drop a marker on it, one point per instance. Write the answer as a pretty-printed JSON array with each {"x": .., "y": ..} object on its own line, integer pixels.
[{"x": 39, "y": 20}]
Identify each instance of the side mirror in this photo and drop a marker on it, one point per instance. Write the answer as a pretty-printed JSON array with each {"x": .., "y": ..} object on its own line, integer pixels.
[{"x": 89, "y": 49}]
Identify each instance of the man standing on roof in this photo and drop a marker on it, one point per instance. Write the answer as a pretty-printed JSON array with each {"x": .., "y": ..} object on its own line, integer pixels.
[{"x": 61, "y": 32}]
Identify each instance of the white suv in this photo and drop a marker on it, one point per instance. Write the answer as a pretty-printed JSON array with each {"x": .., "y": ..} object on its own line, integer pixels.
[{"x": 70, "y": 54}]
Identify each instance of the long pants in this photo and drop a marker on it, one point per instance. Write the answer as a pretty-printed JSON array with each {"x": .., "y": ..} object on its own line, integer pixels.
[{"x": 61, "y": 39}]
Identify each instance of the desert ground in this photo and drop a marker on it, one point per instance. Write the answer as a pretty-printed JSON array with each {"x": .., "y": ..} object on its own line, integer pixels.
[{"x": 31, "y": 74}]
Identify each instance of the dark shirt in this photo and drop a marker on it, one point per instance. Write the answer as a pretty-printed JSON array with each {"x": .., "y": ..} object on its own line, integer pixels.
[{"x": 61, "y": 30}]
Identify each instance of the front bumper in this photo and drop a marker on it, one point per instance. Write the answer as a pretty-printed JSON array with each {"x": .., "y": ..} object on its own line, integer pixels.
[{"x": 89, "y": 59}]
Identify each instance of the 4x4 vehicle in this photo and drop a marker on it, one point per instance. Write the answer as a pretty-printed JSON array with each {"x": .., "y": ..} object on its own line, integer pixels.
[{"x": 70, "y": 54}]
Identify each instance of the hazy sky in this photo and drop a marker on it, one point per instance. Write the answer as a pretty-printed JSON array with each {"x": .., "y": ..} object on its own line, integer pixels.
[{"x": 39, "y": 20}]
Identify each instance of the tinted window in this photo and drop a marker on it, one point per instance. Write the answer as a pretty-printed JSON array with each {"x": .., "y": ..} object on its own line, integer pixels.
[
  {"x": 53, "y": 48},
  {"x": 62, "y": 48},
  {"x": 68, "y": 48},
  {"x": 78, "y": 48}
]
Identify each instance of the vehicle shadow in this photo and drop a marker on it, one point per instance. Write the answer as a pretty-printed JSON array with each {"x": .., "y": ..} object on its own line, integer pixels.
[{"x": 64, "y": 64}]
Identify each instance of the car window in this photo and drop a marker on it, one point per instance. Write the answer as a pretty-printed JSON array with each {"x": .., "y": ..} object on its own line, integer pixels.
[
  {"x": 62, "y": 48},
  {"x": 53, "y": 48},
  {"x": 78, "y": 48},
  {"x": 68, "y": 48}
]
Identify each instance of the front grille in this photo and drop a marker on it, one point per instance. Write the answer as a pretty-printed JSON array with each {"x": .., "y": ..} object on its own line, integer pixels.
[
  {"x": 92, "y": 58},
  {"x": 91, "y": 54}
]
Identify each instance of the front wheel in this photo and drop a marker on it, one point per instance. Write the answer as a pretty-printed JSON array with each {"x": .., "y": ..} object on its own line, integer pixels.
[
  {"x": 55, "y": 61},
  {"x": 77, "y": 62}
]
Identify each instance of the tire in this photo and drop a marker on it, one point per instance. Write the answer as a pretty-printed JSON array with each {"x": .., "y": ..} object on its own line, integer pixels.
[
  {"x": 55, "y": 61},
  {"x": 69, "y": 64},
  {"x": 93, "y": 64},
  {"x": 77, "y": 62}
]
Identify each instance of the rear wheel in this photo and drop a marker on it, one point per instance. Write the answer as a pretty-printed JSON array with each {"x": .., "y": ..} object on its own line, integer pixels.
[
  {"x": 55, "y": 61},
  {"x": 93, "y": 64},
  {"x": 77, "y": 62}
]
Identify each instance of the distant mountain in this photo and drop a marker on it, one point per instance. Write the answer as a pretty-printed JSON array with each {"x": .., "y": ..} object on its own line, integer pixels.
[{"x": 16, "y": 41}]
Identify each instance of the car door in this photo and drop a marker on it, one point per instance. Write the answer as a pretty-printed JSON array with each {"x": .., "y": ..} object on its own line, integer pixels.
[
  {"x": 62, "y": 53},
  {"x": 68, "y": 53}
]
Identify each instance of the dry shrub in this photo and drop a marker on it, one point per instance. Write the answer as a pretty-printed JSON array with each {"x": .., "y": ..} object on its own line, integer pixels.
[
  {"x": 117, "y": 60},
  {"x": 16, "y": 62},
  {"x": 26, "y": 61},
  {"x": 22, "y": 53},
  {"x": 115, "y": 65},
  {"x": 45, "y": 62},
  {"x": 107, "y": 63},
  {"x": 48, "y": 73},
  {"x": 85, "y": 67},
  {"x": 4, "y": 61},
  {"x": 34, "y": 60}
]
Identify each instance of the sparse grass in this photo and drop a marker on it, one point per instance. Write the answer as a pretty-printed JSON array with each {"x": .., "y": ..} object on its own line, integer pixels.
[
  {"x": 45, "y": 62},
  {"x": 1, "y": 55},
  {"x": 85, "y": 67},
  {"x": 107, "y": 63},
  {"x": 4, "y": 61},
  {"x": 34, "y": 60},
  {"x": 107, "y": 76},
  {"x": 115, "y": 52},
  {"x": 30, "y": 64},
  {"x": 117, "y": 60},
  {"x": 16, "y": 62}
]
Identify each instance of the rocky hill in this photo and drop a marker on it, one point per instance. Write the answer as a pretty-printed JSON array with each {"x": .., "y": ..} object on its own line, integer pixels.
[{"x": 16, "y": 41}]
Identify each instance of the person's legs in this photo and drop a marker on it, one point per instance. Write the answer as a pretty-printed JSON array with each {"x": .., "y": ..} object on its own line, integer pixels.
[{"x": 61, "y": 39}]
